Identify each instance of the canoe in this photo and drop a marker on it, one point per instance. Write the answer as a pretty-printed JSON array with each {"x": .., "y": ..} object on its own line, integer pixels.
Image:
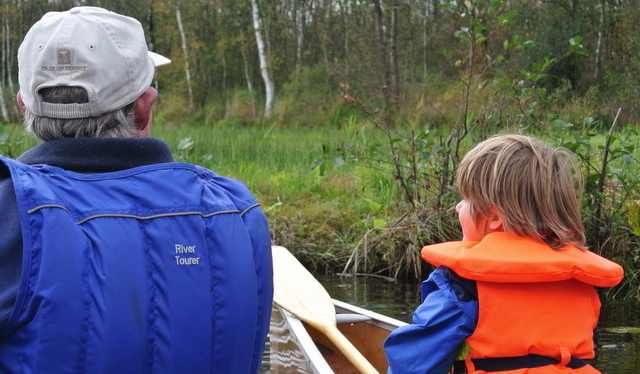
[{"x": 298, "y": 348}]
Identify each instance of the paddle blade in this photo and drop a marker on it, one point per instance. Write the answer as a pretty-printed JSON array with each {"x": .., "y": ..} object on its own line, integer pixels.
[{"x": 297, "y": 291}]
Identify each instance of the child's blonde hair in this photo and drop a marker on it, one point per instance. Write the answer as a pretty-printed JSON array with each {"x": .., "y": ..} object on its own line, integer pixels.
[{"x": 535, "y": 188}]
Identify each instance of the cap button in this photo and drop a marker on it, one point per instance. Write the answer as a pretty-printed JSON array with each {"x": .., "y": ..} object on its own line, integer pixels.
[{"x": 75, "y": 10}]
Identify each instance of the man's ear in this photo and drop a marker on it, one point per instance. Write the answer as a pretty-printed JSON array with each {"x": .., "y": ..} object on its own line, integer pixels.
[
  {"x": 142, "y": 111},
  {"x": 21, "y": 105}
]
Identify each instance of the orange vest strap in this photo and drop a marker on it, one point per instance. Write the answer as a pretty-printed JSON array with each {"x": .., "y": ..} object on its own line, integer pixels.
[{"x": 521, "y": 362}]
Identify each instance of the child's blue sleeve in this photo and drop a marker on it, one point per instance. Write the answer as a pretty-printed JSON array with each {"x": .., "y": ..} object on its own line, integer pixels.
[{"x": 440, "y": 325}]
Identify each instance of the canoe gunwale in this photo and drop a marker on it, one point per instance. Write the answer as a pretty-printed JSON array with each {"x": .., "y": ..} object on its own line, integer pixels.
[{"x": 312, "y": 355}]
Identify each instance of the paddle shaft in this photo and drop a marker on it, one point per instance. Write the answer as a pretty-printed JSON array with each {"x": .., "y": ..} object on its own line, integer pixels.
[
  {"x": 349, "y": 351},
  {"x": 297, "y": 291}
]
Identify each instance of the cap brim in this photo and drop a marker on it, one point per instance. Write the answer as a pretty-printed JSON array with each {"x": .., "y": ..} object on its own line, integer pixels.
[{"x": 158, "y": 60}]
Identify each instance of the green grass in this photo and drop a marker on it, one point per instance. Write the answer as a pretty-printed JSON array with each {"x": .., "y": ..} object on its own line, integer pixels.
[{"x": 268, "y": 160}]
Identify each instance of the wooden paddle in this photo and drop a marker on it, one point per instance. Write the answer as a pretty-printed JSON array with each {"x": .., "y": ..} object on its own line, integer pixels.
[{"x": 297, "y": 291}]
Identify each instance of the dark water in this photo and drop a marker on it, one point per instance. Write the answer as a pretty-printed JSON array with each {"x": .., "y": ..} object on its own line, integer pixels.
[{"x": 617, "y": 336}]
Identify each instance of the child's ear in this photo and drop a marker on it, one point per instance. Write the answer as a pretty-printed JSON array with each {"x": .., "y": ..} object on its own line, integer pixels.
[{"x": 495, "y": 220}]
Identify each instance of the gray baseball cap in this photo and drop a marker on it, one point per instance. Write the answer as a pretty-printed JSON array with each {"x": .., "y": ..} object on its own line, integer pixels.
[{"x": 101, "y": 51}]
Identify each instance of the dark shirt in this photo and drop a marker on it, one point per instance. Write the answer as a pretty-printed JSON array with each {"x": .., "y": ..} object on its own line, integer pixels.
[{"x": 82, "y": 155}]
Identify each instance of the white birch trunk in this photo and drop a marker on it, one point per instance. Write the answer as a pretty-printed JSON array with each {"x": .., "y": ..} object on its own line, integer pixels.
[
  {"x": 185, "y": 52},
  {"x": 262, "y": 53}
]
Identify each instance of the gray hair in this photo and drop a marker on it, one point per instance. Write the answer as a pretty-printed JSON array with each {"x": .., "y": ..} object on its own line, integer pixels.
[{"x": 117, "y": 124}]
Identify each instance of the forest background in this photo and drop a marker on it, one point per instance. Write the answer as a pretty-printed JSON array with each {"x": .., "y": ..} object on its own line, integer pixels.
[{"x": 347, "y": 118}]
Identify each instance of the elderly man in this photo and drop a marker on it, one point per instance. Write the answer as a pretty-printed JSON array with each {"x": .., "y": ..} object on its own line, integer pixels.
[{"x": 114, "y": 258}]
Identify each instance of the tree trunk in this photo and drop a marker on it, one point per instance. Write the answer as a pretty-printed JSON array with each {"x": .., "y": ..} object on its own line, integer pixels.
[
  {"x": 393, "y": 51},
  {"x": 262, "y": 53},
  {"x": 223, "y": 81},
  {"x": 425, "y": 44},
  {"x": 430, "y": 19},
  {"x": 345, "y": 23},
  {"x": 185, "y": 52},
  {"x": 300, "y": 21},
  {"x": 596, "y": 72},
  {"x": 247, "y": 77},
  {"x": 3, "y": 106},
  {"x": 323, "y": 32},
  {"x": 382, "y": 41},
  {"x": 5, "y": 72},
  {"x": 247, "y": 74}
]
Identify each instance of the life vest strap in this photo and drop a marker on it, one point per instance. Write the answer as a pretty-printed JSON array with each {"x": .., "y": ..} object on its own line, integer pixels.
[{"x": 521, "y": 362}]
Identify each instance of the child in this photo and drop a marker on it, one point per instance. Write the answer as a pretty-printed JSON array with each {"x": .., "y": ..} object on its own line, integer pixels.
[{"x": 517, "y": 294}]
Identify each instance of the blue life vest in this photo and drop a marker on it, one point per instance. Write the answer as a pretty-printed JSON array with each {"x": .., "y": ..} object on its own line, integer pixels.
[{"x": 145, "y": 270}]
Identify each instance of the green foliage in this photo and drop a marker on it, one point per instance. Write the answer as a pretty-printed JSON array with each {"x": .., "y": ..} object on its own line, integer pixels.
[
  {"x": 423, "y": 160},
  {"x": 14, "y": 140},
  {"x": 309, "y": 100},
  {"x": 370, "y": 181},
  {"x": 343, "y": 36},
  {"x": 634, "y": 217},
  {"x": 611, "y": 164}
]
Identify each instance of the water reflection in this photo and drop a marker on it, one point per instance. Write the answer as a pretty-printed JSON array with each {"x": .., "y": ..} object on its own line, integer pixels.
[
  {"x": 289, "y": 358},
  {"x": 382, "y": 295},
  {"x": 616, "y": 352}
]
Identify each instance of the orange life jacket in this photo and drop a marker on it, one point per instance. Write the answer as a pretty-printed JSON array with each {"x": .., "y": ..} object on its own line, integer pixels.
[{"x": 532, "y": 299}]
